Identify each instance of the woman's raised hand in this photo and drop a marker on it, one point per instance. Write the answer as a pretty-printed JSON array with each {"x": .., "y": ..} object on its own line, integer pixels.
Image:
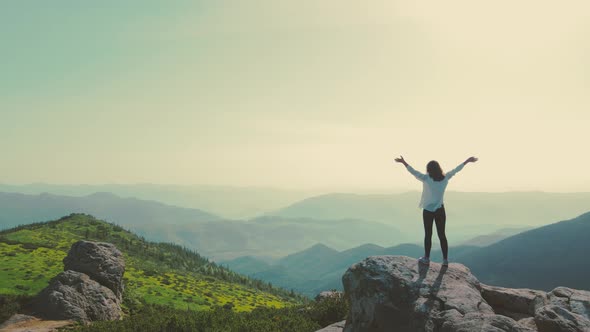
[
  {"x": 471, "y": 160},
  {"x": 401, "y": 160}
]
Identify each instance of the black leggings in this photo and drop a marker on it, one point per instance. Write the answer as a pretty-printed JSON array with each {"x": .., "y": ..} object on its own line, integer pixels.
[{"x": 439, "y": 216}]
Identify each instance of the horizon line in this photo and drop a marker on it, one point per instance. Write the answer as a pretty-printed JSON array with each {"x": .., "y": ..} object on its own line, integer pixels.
[{"x": 319, "y": 191}]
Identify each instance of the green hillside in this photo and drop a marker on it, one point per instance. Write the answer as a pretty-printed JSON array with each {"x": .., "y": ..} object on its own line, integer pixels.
[{"x": 156, "y": 273}]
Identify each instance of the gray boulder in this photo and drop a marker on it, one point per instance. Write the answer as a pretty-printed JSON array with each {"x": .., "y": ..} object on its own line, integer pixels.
[
  {"x": 565, "y": 310},
  {"x": 101, "y": 261},
  {"x": 90, "y": 288},
  {"x": 562, "y": 309},
  {"x": 73, "y": 295},
  {"x": 574, "y": 300},
  {"x": 396, "y": 293},
  {"x": 332, "y": 294},
  {"x": 553, "y": 318},
  {"x": 515, "y": 303}
]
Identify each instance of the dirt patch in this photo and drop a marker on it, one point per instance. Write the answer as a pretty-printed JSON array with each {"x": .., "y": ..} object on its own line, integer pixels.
[{"x": 24, "y": 323}]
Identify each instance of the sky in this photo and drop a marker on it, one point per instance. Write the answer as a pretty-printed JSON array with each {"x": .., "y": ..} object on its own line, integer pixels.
[{"x": 300, "y": 94}]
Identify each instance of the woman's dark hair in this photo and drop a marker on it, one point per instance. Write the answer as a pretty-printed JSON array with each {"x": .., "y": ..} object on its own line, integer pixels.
[{"x": 434, "y": 170}]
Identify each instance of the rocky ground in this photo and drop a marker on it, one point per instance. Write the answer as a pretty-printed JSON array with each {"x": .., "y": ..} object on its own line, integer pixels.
[
  {"x": 25, "y": 323},
  {"x": 396, "y": 293}
]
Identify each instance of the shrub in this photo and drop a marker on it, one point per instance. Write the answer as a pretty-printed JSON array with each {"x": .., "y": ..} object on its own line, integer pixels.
[
  {"x": 329, "y": 310},
  {"x": 12, "y": 304},
  {"x": 161, "y": 318}
]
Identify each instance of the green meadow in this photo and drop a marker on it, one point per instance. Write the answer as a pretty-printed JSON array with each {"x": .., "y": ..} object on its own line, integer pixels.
[{"x": 156, "y": 273}]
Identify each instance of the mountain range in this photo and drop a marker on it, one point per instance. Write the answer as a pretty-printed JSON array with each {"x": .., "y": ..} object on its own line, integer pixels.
[
  {"x": 225, "y": 201},
  {"x": 320, "y": 267},
  {"x": 129, "y": 212},
  {"x": 339, "y": 221},
  {"x": 211, "y": 235},
  {"x": 469, "y": 214},
  {"x": 541, "y": 258}
]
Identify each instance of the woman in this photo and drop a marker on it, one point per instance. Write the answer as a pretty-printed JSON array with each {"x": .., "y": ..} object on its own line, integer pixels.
[{"x": 433, "y": 190}]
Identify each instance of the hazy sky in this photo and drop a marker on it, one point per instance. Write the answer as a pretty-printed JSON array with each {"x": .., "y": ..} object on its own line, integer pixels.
[{"x": 296, "y": 94}]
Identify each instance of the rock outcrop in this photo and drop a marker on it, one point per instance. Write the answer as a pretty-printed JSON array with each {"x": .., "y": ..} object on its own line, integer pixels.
[
  {"x": 331, "y": 294},
  {"x": 396, "y": 293},
  {"x": 89, "y": 289},
  {"x": 564, "y": 309},
  {"x": 102, "y": 262},
  {"x": 73, "y": 295}
]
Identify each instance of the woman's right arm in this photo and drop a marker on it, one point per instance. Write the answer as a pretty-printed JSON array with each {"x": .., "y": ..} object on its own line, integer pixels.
[
  {"x": 415, "y": 173},
  {"x": 470, "y": 160}
]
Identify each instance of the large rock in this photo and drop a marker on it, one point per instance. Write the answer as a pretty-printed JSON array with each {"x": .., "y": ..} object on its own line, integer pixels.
[
  {"x": 73, "y": 295},
  {"x": 514, "y": 303},
  {"x": 102, "y": 262},
  {"x": 576, "y": 301},
  {"x": 90, "y": 288},
  {"x": 326, "y": 295},
  {"x": 553, "y": 318},
  {"x": 565, "y": 310},
  {"x": 396, "y": 293}
]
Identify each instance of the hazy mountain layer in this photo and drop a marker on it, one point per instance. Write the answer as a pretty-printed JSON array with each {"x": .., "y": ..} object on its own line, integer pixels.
[
  {"x": 228, "y": 202},
  {"x": 468, "y": 214},
  {"x": 542, "y": 258},
  {"x": 499, "y": 235},
  {"x": 273, "y": 236},
  {"x": 129, "y": 212},
  {"x": 196, "y": 229}
]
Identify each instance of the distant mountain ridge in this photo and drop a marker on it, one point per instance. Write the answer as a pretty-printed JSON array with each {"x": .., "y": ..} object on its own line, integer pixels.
[
  {"x": 320, "y": 267},
  {"x": 229, "y": 202},
  {"x": 211, "y": 235},
  {"x": 542, "y": 258},
  {"x": 129, "y": 212},
  {"x": 499, "y": 235},
  {"x": 469, "y": 214}
]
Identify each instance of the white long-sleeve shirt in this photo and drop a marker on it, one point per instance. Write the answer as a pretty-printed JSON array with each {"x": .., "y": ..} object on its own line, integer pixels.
[{"x": 433, "y": 191}]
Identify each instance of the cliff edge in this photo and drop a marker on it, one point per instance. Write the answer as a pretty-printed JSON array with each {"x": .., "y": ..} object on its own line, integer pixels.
[{"x": 396, "y": 293}]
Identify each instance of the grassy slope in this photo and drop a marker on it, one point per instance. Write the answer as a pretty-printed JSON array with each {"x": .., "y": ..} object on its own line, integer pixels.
[{"x": 159, "y": 273}]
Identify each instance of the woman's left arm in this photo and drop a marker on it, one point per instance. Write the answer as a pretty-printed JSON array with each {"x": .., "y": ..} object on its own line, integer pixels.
[
  {"x": 452, "y": 173},
  {"x": 470, "y": 160}
]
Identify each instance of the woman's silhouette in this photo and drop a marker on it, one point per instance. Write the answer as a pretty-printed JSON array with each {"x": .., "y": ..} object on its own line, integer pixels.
[{"x": 434, "y": 184}]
